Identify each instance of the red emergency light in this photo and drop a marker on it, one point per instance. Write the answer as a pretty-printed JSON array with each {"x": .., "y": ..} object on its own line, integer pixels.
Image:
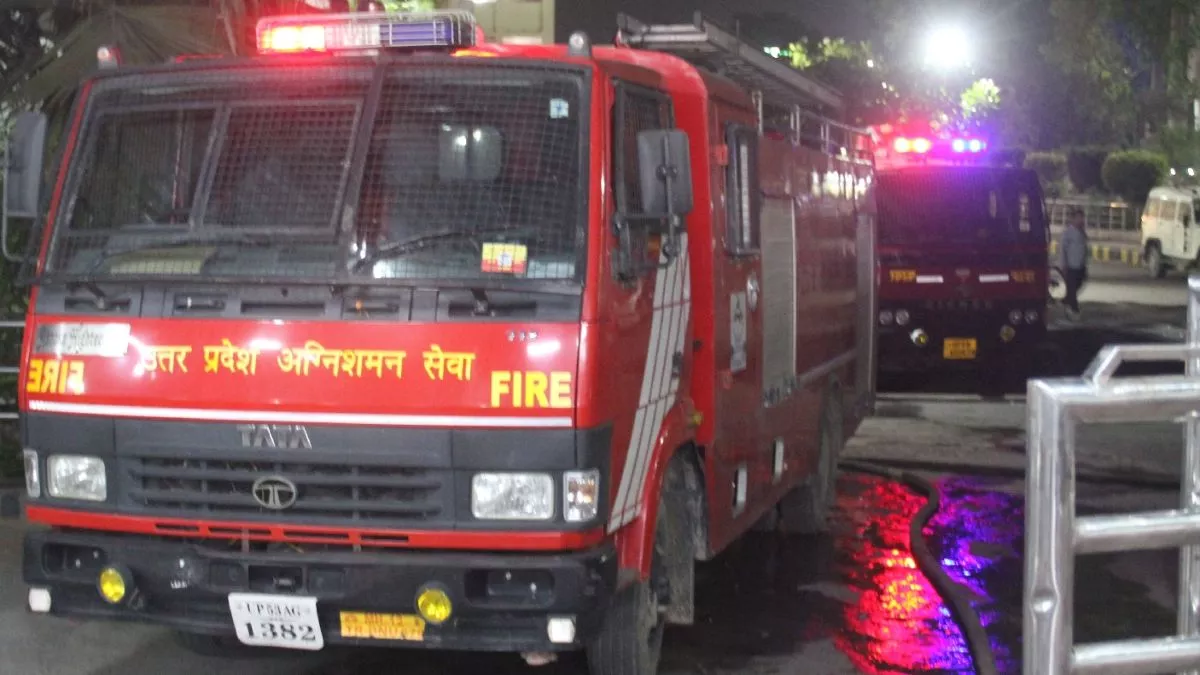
[{"x": 365, "y": 32}]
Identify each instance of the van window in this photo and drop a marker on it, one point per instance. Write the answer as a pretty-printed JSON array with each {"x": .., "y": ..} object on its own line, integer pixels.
[
  {"x": 1152, "y": 209},
  {"x": 1169, "y": 210}
]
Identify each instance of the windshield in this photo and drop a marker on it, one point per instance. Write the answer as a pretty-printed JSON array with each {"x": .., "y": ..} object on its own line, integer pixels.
[
  {"x": 957, "y": 206},
  {"x": 466, "y": 172}
]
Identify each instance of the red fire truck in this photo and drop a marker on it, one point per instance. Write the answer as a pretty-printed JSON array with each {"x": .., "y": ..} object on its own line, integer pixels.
[
  {"x": 962, "y": 258},
  {"x": 390, "y": 336}
]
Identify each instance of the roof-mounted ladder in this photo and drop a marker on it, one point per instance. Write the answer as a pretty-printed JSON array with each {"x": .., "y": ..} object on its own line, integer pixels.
[{"x": 781, "y": 94}]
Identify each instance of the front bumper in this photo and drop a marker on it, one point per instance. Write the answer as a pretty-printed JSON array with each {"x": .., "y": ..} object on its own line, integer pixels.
[
  {"x": 501, "y": 602},
  {"x": 897, "y": 351}
]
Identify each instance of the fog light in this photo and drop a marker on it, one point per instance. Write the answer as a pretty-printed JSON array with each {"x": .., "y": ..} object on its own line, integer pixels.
[
  {"x": 919, "y": 337},
  {"x": 561, "y": 630},
  {"x": 114, "y": 584},
  {"x": 39, "y": 600},
  {"x": 1007, "y": 333},
  {"x": 434, "y": 605}
]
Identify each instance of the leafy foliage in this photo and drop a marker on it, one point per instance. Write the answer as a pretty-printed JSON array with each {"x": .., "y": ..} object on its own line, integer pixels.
[
  {"x": 1051, "y": 168},
  {"x": 1132, "y": 173},
  {"x": 1180, "y": 145},
  {"x": 1085, "y": 168}
]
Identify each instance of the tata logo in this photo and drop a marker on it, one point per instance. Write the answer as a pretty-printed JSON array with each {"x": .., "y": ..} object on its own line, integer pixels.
[
  {"x": 274, "y": 492},
  {"x": 275, "y": 436}
]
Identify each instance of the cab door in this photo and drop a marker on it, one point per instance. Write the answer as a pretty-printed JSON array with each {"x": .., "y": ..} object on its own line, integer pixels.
[{"x": 738, "y": 315}]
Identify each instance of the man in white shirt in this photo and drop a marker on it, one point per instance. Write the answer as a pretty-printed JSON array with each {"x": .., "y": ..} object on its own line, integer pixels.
[{"x": 1075, "y": 254}]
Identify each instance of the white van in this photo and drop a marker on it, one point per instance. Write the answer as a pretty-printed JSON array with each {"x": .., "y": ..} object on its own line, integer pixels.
[{"x": 1170, "y": 236}]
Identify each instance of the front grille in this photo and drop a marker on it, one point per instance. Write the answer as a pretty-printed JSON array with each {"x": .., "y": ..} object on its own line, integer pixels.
[{"x": 342, "y": 494}]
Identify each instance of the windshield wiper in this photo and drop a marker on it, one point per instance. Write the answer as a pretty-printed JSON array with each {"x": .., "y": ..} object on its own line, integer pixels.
[
  {"x": 397, "y": 249},
  {"x": 403, "y": 247},
  {"x": 178, "y": 242}
]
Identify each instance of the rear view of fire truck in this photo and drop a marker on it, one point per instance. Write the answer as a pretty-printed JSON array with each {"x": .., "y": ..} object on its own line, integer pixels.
[
  {"x": 389, "y": 336},
  {"x": 962, "y": 259}
]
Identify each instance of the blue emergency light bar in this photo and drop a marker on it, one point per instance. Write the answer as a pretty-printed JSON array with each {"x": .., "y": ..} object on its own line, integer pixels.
[{"x": 365, "y": 32}]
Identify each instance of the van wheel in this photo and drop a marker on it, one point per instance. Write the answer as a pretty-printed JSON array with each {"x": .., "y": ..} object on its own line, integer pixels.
[
  {"x": 631, "y": 637},
  {"x": 1155, "y": 263},
  {"x": 805, "y": 510}
]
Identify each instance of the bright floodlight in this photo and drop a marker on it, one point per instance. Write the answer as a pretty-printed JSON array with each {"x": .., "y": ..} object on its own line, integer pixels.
[{"x": 947, "y": 47}]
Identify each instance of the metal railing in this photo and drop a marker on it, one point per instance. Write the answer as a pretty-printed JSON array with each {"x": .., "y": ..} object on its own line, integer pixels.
[
  {"x": 1055, "y": 535},
  {"x": 1100, "y": 216}
]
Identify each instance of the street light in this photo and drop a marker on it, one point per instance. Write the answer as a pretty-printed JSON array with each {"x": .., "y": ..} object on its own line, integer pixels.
[{"x": 947, "y": 48}]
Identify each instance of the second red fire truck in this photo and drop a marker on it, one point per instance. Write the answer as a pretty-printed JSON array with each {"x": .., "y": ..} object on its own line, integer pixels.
[
  {"x": 962, "y": 259},
  {"x": 389, "y": 336}
]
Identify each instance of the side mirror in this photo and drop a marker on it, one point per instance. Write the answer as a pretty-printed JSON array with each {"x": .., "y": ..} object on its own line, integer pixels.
[
  {"x": 23, "y": 166},
  {"x": 665, "y": 171}
]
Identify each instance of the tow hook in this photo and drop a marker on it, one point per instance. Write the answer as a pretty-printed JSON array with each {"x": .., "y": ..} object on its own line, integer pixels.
[{"x": 537, "y": 659}]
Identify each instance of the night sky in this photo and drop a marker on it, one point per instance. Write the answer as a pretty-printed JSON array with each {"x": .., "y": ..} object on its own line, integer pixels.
[{"x": 817, "y": 17}]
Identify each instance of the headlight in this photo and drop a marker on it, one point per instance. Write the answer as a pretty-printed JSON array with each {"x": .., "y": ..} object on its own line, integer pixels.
[
  {"x": 33, "y": 474},
  {"x": 76, "y": 477},
  {"x": 512, "y": 496},
  {"x": 1031, "y": 316},
  {"x": 885, "y": 317},
  {"x": 1014, "y": 317},
  {"x": 902, "y": 317},
  {"x": 581, "y": 495}
]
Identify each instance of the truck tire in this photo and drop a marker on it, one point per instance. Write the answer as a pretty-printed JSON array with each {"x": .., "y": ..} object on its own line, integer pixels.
[
  {"x": 631, "y": 637},
  {"x": 1155, "y": 264},
  {"x": 805, "y": 510}
]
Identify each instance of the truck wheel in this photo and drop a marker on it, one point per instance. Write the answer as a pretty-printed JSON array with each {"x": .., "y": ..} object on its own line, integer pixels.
[
  {"x": 1155, "y": 263},
  {"x": 805, "y": 510},
  {"x": 631, "y": 637}
]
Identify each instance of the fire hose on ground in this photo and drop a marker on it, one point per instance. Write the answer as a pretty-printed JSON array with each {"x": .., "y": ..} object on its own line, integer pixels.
[{"x": 956, "y": 597}]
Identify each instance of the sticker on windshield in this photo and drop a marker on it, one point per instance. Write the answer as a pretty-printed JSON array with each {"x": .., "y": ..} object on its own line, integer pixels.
[
  {"x": 505, "y": 258},
  {"x": 559, "y": 109}
]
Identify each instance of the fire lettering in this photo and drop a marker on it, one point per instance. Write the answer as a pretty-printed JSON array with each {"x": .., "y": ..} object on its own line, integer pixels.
[
  {"x": 531, "y": 389},
  {"x": 165, "y": 358},
  {"x": 229, "y": 357},
  {"x": 351, "y": 362},
  {"x": 438, "y": 363},
  {"x": 54, "y": 376}
]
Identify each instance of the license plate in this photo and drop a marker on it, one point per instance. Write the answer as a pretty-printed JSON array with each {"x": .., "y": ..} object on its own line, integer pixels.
[
  {"x": 82, "y": 339},
  {"x": 279, "y": 621},
  {"x": 959, "y": 349},
  {"x": 368, "y": 626}
]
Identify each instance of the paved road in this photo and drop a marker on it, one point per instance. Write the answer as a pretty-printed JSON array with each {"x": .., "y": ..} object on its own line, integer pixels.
[{"x": 1112, "y": 283}]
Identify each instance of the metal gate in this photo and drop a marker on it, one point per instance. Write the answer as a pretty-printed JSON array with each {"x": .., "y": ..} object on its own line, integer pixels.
[{"x": 1054, "y": 535}]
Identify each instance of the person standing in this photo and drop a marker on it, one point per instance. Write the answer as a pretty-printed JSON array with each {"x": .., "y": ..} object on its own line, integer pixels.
[{"x": 1075, "y": 254}]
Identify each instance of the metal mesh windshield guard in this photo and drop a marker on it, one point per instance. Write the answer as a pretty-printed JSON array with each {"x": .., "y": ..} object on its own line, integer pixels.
[{"x": 450, "y": 171}]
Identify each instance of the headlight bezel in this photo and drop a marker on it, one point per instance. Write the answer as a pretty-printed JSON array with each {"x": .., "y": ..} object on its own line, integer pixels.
[
  {"x": 583, "y": 478},
  {"x": 33, "y": 473},
  {"x": 56, "y": 490},
  {"x": 544, "y": 481}
]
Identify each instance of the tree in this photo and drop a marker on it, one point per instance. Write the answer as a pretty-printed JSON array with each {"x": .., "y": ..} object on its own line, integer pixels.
[{"x": 143, "y": 31}]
